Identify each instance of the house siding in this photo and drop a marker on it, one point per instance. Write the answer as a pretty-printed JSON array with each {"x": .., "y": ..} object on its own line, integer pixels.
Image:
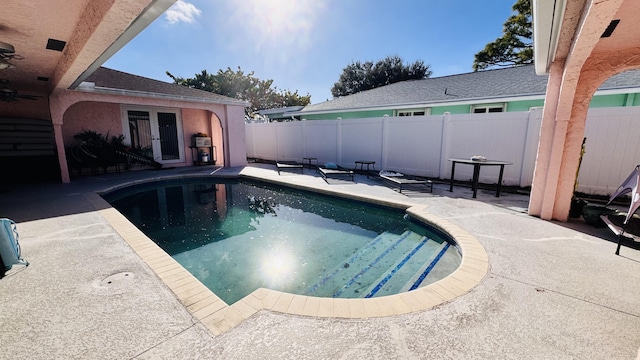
[
  {"x": 599, "y": 101},
  {"x": 349, "y": 115},
  {"x": 515, "y": 106},
  {"x": 614, "y": 100},
  {"x": 457, "y": 109}
]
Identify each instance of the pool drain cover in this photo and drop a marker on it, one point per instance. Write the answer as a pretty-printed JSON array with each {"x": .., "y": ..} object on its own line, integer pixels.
[{"x": 117, "y": 279}]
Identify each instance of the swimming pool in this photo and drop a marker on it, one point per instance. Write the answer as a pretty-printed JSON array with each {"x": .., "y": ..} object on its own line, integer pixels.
[{"x": 236, "y": 236}]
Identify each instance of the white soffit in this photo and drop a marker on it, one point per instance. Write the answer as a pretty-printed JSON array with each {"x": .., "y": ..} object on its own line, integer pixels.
[{"x": 547, "y": 22}]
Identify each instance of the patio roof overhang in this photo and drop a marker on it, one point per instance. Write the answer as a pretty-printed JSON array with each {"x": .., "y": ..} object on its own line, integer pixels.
[
  {"x": 153, "y": 95},
  {"x": 547, "y": 20}
]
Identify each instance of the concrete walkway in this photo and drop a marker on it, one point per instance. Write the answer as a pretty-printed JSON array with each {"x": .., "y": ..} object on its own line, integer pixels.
[{"x": 553, "y": 291}]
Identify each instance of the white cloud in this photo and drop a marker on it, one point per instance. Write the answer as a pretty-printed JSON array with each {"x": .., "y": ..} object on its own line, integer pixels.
[{"x": 182, "y": 11}]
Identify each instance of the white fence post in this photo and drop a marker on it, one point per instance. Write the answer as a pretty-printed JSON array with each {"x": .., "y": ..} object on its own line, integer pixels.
[
  {"x": 530, "y": 147},
  {"x": 304, "y": 139},
  {"x": 385, "y": 141},
  {"x": 339, "y": 142},
  {"x": 445, "y": 148}
]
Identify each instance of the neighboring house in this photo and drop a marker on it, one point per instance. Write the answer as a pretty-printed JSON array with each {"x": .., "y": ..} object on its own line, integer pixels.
[
  {"x": 52, "y": 86},
  {"x": 279, "y": 114},
  {"x": 501, "y": 90}
]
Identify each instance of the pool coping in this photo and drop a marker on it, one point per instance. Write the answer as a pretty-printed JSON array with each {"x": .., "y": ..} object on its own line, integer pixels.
[{"x": 220, "y": 317}]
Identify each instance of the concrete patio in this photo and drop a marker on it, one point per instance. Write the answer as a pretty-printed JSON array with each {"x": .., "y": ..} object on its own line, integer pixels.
[{"x": 553, "y": 290}]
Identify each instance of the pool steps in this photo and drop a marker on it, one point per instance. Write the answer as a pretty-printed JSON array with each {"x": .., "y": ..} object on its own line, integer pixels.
[
  {"x": 393, "y": 270},
  {"x": 411, "y": 272},
  {"x": 331, "y": 274},
  {"x": 394, "y": 260},
  {"x": 344, "y": 273},
  {"x": 380, "y": 262},
  {"x": 432, "y": 264}
]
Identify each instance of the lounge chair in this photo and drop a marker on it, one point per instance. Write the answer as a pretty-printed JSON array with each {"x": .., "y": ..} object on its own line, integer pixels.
[
  {"x": 333, "y": 170},
  {"x": 288, "y": 165},
  {"x": 403, "y": 180},
  {"x": 626, "y": 225},
  {"x": 630, "y": 230}
]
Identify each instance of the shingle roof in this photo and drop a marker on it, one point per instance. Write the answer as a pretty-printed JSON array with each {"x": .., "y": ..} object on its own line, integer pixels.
[
  {"x": 515, "y": 81},
  {"x": 114, "y": 79}
]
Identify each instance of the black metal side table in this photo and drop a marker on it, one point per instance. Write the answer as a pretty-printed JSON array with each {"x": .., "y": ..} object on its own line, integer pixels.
[
  {"x": 362, "y": 163},
  {"x": 308, "y": 161}
]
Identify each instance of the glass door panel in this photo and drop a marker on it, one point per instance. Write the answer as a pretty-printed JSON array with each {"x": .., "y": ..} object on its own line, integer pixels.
[
  {"x": 168, "y": 135},
  {"x": 158, "y": 134},
  {"x": 140, "y": 131}
]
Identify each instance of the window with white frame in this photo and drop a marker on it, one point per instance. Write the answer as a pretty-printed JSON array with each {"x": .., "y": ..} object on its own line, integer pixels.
[
  {"x": 412, "y": 112},
  {"x": 488, "y": 108}
]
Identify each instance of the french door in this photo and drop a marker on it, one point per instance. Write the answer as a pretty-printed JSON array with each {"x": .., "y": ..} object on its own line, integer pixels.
[{"x": 157, "y": 132}]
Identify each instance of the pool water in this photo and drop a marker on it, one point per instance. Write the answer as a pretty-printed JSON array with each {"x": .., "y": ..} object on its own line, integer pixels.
[{"x": 236, "y": 236}]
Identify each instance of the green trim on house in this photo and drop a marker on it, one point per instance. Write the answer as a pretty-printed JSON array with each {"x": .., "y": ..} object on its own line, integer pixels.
[
  {"x": 524, "y": 105},
  {"x": 349, "y": 115},
  {"x": 455, "y": 109},
  {"x": 615, "y": 100},
  {"x": 512, "y": 106}
]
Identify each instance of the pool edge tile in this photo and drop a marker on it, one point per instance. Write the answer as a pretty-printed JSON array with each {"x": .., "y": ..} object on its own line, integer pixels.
[
  {"x": 341, "y": 308},
  {"x": 311, "y": 306},
  {"x": 297, "y": 304}
]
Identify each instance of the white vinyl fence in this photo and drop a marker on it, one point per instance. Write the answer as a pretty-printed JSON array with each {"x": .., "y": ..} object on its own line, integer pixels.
[{"x": 422, "y": 145}]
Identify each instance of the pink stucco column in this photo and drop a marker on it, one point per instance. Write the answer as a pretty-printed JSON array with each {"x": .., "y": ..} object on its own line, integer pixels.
[
  {"x": 561, "y": 135},
  {"x": 543, "y": 189},
  {"x": 573, "y": 78},
  {"x": 57, "y": 111},
  {"x": 62, "y": 154},
  {"x": 235, "y": 151}
]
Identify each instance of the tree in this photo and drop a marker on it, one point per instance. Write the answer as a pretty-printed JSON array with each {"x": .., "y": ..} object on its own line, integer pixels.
[
  {"x": 515, "y": 46},
  {"x": 359, "y": 76},
  {"x": 238, "y": 85}
]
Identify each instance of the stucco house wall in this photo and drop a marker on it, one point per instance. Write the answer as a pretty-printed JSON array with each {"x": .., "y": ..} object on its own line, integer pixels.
[
  {"x": 106, "y": 119},
  {"x": 103, "y": 118},
  {"x": 28, "y": 109},
  {"x": 202, "y": 121}
]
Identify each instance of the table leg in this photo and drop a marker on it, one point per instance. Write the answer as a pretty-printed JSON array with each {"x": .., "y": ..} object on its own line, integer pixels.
[
  {"x": 500, "y": 180},
  {"x": 453, "y": 171},
  {"x": 476, "y": 178}
]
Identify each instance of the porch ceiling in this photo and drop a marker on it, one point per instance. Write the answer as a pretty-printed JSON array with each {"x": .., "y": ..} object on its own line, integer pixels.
[
  {"x": 91, "y": 32},
  {"x": 575, "y": 29},
  {"x": 625, "y": 36}
]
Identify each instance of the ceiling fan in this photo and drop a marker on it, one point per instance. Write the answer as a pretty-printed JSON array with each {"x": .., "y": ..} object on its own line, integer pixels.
[
  {"x": 11, "y": 95},
  {"x": 7, "y": 52}
]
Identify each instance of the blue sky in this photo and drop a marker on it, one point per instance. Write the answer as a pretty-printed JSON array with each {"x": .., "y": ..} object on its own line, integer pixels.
[{"x": 304, "y": 45}]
